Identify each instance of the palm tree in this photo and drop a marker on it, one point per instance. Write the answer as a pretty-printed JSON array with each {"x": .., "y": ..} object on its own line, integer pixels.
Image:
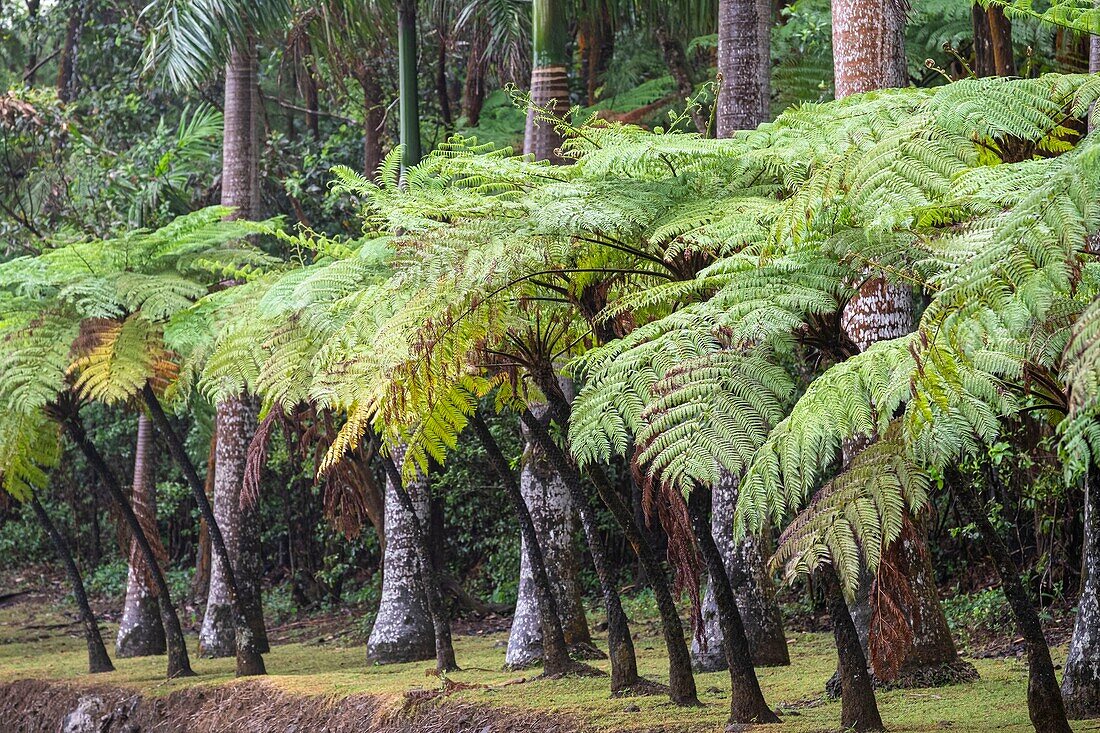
[
  {"x": 140, "y": 633},
  {"x": 549, "y": 77}
]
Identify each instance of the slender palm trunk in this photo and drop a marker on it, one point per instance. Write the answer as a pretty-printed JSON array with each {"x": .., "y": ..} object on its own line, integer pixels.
[
  {"x": 473, "y": 88},
  {"x": 1081, "y": 678},
  {"x": 412, "y": 620},
  {"x": 747, "y": 703},
  {"x": 140, "y": 633},
  {"x": 98, "y": 661},
  {"x": 235, "y": 421},
  {"x": 1044, "y": 700},
  {"x": 373, "y": 117},
  {"x": 744, "y": 61},
  {"x": 682, "y": 690},
  {"x": 408, "y": 92},
  {"x": 250, "y": 660},
  {"x": 549, "y": 77},
  {"x": 549, "y": 644},
  {"x": 179, "y": 665}
]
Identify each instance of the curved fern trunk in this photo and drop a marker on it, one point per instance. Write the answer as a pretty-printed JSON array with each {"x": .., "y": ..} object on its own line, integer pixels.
[
  {"x": 624, "y": 664},
  {"x": 411, "y": 624},
  {"x": 538, "y": 627},
  {"x": 548, "y": 504},
  {"x": 235, "y": 423},
  {"x": 98, "y": 661},
  {"x": 1045, "y": 707},
  {"x": 858, "y": 707},
  {"x": 745, "y": 562},
  {"x": 249, "y": 659},
  {"x": 140, "y": 633},
  {"x": 179, "y": 665},
  {"x": 747, "y": 703},
  {"x": 549, "y": 77},
  {"x": 676, "y": 60},
  {"x": 682, "y": 690},
  {"x": 1081, "y": 678}
]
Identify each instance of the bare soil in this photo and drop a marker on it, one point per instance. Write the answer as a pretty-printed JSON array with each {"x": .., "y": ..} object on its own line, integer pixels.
[{"x": 36, "y": 706}]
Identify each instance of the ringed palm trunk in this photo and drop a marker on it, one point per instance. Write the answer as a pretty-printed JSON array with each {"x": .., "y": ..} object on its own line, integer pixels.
[
  {"x": 234, "y": 589},
  {"x": 235, "y": 423},
  {"x": 549, "y": 77},
  {"x": 98, "y": 661},
  {"x": 408, "y": 93},
  {"x": 140, "y": 633}
]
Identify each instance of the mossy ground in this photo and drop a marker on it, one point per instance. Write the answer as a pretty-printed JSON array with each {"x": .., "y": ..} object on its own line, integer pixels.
[{"x": 33, "y": 646}]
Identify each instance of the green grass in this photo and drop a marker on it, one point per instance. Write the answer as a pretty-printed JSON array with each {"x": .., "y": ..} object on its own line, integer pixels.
[{"x": 997, "y": 702}]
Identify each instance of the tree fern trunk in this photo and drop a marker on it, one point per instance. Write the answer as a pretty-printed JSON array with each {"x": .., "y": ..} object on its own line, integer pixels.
[
  {"x": 411, "y": 623},
  {"x": 1081, "y": 679},
  {"x": 140, "y": 633},
  {"x": 403, "y": 627},
  {"x": 179, "y": 665},
  {"x": 745, "y": 561},
  {"x": 1044, "y": 700},
  {"x": 747, "y": 703},
  {"x": 549, "y": 77},
  {"x": 250, "y": 661},
  {"x": 682, "y": 690},
  {"x": 993, "y": 52},
  {"x": 98, "y": 661},
  {"x": 858, "y": 707},
  {"x": 537, "y": 633},
  {"x": 547, "y": 501},
  {"x": 373, "y": 120}
]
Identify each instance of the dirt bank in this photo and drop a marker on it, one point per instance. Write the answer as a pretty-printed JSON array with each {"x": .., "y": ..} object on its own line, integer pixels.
[{"x": 34, "y": 706}]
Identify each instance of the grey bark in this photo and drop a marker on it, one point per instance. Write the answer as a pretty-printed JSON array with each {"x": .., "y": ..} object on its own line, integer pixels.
[
  {"x": 1081, "y": 679},
  {"x": 140, "y": 633},
  {"x": 554, "y": 516},
  {"x": 753, "y": 588},
  {"x": 235, "y": 424},
  {"x": 744, "y": 61},
  {"x": 403, "y": 630}
]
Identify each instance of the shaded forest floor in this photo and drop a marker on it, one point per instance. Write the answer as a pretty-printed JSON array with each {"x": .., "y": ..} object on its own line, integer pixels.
[{"x": 317, "y": 667}]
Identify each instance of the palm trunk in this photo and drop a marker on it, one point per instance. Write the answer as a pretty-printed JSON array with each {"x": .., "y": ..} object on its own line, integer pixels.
[
  {"x": 549, "y": 78},
  {"x": 249, "y": 658},
  {"x": 858, "y": 707},
  {"x": 140, "y": 633},
  {"x": 411, "y": 624},
  {"x": 537, "y": 632},
  {"x": 473, "y": 88},
  {"x": 1081, "y": 678},
  {"x": 230, "y": 601},
  {"x": 178, "y": 663},
  {"x": 682, "y": 690},
  {"x": 98, "y": 661},
  {"x": 744, "y": 61},
  {"x": 373, "y": 117},
  {"x": 235, "y": 423},
  {"x": 408, "y": 93},
  {"x": 745, "y": 562},
  {"x": 676, "y": 61},
  {"x": 1044, "y": 700},
  {"x": 747, "y": 703},
  {"x": 66, "y": 62}
]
